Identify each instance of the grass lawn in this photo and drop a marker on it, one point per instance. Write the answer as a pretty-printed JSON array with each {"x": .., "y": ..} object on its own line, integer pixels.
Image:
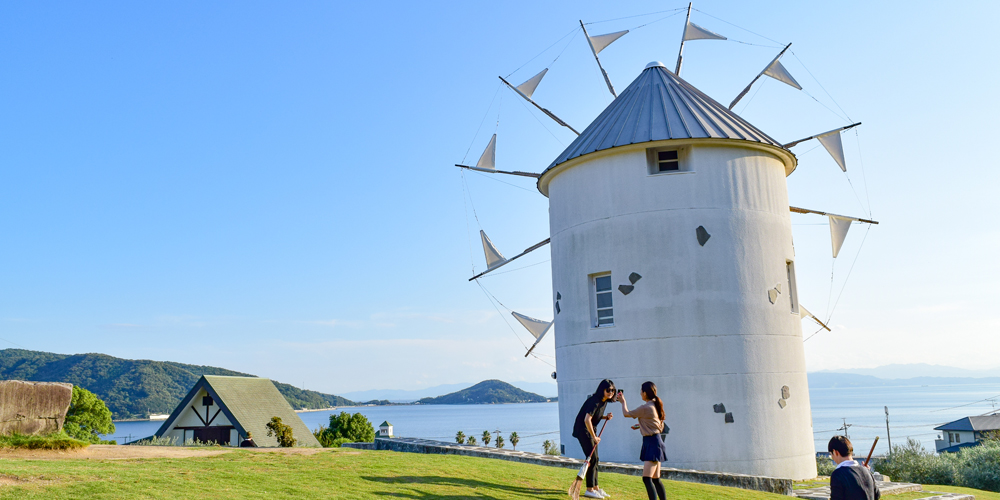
[
  {"x": 979, "y": 494},
  {"x": 334, "y": 473}
]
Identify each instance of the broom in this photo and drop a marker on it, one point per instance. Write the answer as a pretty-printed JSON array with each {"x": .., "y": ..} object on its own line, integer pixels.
[
  {"x": 574, "y": 489},
  {"x": 871, "y": 451}
]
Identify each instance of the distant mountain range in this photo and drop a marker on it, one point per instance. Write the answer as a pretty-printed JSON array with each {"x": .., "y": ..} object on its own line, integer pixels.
[
  {"x": 486, "y": 392},
  {"x": 135, "y": 388},
  {"x": 824, "y": 380},
  {"x": 913, "y": 370}
]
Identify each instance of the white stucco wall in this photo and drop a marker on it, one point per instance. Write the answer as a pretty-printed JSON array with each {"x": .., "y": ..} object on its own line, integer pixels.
[
  {"x": 699, "y": 323},
  {"x": 187, "y": 418}
]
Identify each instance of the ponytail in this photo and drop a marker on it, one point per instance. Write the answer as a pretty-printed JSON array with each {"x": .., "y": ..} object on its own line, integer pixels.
[{"x": 650, "y": 389}]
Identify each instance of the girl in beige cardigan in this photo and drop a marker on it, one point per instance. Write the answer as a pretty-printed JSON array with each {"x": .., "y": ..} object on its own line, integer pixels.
[{"x": 650, "y": 416}]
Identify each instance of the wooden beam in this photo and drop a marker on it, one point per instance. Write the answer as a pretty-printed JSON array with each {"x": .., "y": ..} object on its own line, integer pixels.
[
  {"x": 808, "y": 211},
  {"x": 534, "y": 247},
  {"x": 515, "y": 172}
]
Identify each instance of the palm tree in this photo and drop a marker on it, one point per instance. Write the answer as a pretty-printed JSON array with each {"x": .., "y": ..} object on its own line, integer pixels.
[
  {"x": 471, "y": 441},
  {"x": 486, "y": 438},
  {"x": 460, "y": 437},
  {"x": 514, "y": 439},
  {"x": 499, "y": 441}
]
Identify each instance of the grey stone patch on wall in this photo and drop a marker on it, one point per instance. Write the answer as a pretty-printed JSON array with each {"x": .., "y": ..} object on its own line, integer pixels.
[
  {"x": 557, "y": 308},
  {"x": 703, "y": 235},
  {"x": 558, "y": 296},
  {"x": 778, "y": 287},
  {"x": 632, "y": 278},
  {"x": 33, "y": 408},
  {"x": 772, "y": 294},
  {"x": 785, "y": 392},
  {"x": 719, "y": 408},
  {"x": 782, "y": 403},
  {"x": 729, "y": 418},
  {"x": 779, "y": 486},
  {"x": 625, "y": 289}
]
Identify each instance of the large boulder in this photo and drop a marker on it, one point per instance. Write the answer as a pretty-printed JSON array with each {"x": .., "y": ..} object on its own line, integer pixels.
[{"x": 33, "y": 407}]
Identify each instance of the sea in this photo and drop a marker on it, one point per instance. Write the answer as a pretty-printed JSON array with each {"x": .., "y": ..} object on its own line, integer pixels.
[{"x": 914, "y": 411}]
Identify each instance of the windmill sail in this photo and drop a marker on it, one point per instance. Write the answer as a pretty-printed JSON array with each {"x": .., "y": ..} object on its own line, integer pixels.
[
  {"x": 806, "y": 314},
  {"x": 527, "y": 88},
  {"x": 778, "y": 72},
  {"x": 494, "y": 258},
  {"x": 774, "y": 70},
  {"x": 488, "y": 161},
  {"x": 600, "y": 42},
  {"x": 695, "y": 32},
  {"x": 537, "y": 327},
  {"x": 831, "y": 141},
  {"x": 839, "y": 226}
]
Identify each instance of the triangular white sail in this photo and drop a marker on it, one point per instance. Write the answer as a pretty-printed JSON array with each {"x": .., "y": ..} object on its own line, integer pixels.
[
  {"x": 778, "y": 72},
  {"x": 537, "y": 327},
  {"x": 494, "y": 258},
  {"x": 695, "y": 32},
  {"x": 803, "y": 312},
  {"x": 831, "y": 141},
  {"x": 600, "y": 42},
  {"x": 838, "y": 231},
  {"x": 527, "y": 88},
  {"x": 488, "y": 160}
]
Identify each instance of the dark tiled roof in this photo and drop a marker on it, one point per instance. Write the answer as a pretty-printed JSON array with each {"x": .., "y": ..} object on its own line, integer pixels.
[
  {"x": 657, "y": 106},
  {"x": 981, "y": 423}
]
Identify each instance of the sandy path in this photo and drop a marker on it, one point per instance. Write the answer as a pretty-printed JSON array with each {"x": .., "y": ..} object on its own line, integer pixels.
[{"x": 113, "y": 452}]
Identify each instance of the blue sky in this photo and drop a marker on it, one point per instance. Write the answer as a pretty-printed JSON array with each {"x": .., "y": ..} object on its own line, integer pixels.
[{"x": 268, "y": 187}]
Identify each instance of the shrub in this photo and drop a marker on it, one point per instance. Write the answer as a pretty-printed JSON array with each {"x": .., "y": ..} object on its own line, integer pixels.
[
  {"x": 54, "y": 441},
  {"x": 911, "y": 463},
  {"x": 979, "y": 466},
  {"x": 157, "y": 441},
  {"x": 281, "y": 431},
  {"x": 354, "y": 428},
  {"x": 88, "y": 417},
  {"x": 499, "y": 441},
  {"x": 471, "y": 441},
  {"x": 460, "y": 437},
  {"x": 337, "y": 443},
  {"x": 825, "y": 466}
]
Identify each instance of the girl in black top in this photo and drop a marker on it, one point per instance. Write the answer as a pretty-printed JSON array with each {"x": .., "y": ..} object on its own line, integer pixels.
[{"x": 584, "y": 430}]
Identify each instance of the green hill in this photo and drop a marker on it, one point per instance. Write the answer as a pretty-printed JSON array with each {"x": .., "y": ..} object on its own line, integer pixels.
[
  {"x": 134, "y": 388},
  {"x": 486, "y": 392}
]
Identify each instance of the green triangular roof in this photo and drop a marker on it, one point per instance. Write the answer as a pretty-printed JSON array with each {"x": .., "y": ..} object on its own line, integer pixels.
[{"x": 385, "y": 424}]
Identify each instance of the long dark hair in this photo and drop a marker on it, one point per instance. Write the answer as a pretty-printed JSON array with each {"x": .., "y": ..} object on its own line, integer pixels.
[
  {"x": 604, "y": 385},
  {"x": 650, "y": 389}
]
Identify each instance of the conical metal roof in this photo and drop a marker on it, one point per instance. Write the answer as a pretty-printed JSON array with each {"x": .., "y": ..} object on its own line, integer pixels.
[{"x": 658, "y": 106}]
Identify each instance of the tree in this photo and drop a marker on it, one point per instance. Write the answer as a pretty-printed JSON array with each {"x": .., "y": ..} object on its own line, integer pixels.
[
  {"x": 460, "y": 437},
  {"x": 344, "y": 426},
  {"x": 550, "y": 448},
  {"x": 88, "y": 417},
  {"x": 471, "y": 441},
  {"x": 514, "y": 439},
  {"x": 487, "y": 437},
  {"x": 499, "y": 441},
  {"x": 281, "y": 431}
]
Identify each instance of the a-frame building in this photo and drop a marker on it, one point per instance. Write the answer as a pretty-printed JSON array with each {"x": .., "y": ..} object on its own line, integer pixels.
[{"x": 224, "y": 409}]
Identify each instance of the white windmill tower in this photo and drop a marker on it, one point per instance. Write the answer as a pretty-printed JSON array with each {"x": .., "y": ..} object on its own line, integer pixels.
[
  {"x": 672, "y": 261},
  {"x": 672, "y": 254}
]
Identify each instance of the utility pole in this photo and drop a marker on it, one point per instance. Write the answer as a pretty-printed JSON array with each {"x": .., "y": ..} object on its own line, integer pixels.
[
  {"x": 845, "y": 427},
  {"x": 887, "y": 430}
]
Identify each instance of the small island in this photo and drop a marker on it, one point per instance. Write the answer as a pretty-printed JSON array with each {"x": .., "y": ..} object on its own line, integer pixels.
[{"x": 487, "y": 392}]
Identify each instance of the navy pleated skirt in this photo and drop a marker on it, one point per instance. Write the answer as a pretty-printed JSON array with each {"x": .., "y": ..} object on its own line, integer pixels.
[{"x": 653, "y": 449}]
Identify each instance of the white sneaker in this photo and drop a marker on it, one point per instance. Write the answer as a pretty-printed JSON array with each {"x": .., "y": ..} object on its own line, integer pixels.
[
  {"x": 592, "y": 494},
  {"x": 603, "y": 493}
]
